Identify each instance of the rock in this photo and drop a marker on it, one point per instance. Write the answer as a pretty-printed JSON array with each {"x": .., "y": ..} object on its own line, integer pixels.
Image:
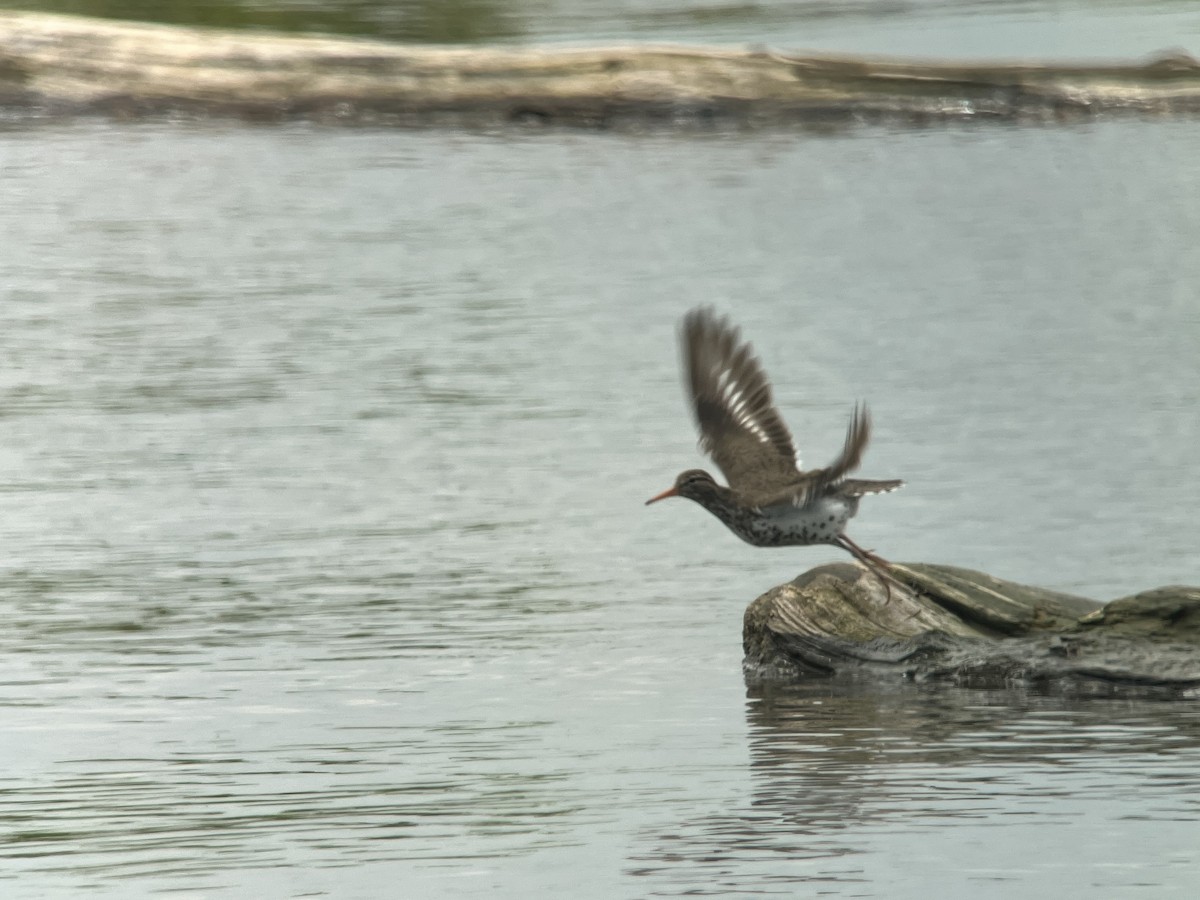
[
  {"x": 970, "y": 628},
  {"x": 64, "y": 65}
]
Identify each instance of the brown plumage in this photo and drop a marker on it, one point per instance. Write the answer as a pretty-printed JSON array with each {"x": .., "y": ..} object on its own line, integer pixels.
[{"x": 770, "y": 501}]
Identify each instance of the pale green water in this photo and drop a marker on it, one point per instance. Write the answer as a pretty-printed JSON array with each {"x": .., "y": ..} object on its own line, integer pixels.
[{"x": 326, "y": 570}]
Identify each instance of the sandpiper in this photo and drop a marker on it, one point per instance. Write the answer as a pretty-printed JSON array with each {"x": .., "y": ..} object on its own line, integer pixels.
[{"x": 770, "y": 501}]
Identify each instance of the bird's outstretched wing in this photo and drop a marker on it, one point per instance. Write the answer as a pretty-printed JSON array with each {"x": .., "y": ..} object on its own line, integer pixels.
[
  {"x": 858, "y": 435},
  {"x": 740, "y": 428},
  {"x": 816, "y": 482}
]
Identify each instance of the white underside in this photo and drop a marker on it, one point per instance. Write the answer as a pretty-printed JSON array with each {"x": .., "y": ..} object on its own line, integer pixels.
[{"x": 817, "y": 523}]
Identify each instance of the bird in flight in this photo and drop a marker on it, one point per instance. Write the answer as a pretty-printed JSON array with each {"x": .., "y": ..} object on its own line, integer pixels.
[{"x": 770, "y": 501}]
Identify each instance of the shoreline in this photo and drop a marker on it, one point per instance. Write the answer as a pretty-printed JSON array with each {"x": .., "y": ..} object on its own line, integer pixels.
[{"x": 55, "y": 67}]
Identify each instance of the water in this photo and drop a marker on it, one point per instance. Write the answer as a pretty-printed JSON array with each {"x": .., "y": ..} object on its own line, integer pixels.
[{"x": 326, "y": 570}]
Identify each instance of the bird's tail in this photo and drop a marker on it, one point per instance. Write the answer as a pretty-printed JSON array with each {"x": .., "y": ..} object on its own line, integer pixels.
[{"x": 857, "y": 487}]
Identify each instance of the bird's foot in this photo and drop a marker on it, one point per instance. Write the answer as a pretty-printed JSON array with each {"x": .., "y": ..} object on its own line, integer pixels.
[{"x": 877, "y": 565}]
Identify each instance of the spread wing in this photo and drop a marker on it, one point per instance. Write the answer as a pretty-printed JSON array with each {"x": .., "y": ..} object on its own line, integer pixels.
[
  {"x": 731, "y": 397},
  {"x": 814, "y": 483},
  {"x": 858, "y": 435}
]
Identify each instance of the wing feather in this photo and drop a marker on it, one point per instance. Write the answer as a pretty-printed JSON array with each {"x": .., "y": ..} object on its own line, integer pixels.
[
  {"x": 740, "y": 428},
  {"x": 858, "y": 435}
]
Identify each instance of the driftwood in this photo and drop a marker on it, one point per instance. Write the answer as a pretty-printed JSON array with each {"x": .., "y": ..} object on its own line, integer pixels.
[
  {"x": 966, "y": 627},
  {"x": 61, "y": 65}
]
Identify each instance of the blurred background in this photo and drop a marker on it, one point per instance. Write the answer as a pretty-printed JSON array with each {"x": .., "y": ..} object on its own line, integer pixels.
[
  {"x": 998, "y": 29},
  {"x": 326, "y": 570}
]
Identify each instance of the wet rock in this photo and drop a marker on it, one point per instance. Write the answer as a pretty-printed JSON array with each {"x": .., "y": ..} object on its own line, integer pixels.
[{"x": 970, "y": 628}]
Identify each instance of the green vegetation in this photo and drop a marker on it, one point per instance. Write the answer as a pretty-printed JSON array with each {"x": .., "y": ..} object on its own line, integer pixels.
[{"x": 426, "y": 21}]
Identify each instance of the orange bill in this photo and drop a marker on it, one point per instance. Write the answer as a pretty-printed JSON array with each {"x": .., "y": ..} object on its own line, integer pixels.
[{"x": 669, "y": 492}]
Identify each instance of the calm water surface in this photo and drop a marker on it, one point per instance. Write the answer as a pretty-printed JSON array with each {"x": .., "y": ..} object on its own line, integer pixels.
[{"x": 326, "y": 570}]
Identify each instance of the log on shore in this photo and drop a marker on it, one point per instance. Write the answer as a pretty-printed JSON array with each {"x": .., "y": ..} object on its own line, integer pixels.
[
  {"x": 969, "y": 628},
  {"x": 63, "y": 65}
]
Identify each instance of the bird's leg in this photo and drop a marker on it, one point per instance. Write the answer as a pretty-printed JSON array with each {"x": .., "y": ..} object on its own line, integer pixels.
[
  {"x": 845, "y": 542},
  {"x": 877, "y": 565}
]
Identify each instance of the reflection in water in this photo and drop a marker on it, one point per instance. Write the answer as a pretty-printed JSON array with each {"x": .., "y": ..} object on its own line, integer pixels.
[{"x": 836, "y": 767}]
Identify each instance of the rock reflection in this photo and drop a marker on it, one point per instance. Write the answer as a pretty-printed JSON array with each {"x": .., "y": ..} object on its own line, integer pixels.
[
  {"x": 826, "y": 756},
  {"x": 839, "y": 771}
]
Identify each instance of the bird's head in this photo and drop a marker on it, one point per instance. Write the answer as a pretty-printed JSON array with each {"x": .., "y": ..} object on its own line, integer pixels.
[{"x": 693, "y": 484}]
